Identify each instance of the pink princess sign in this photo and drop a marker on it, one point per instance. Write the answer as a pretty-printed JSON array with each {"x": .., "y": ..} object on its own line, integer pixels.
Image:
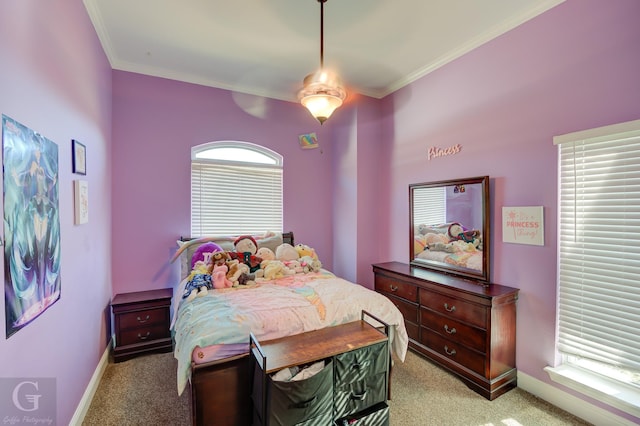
[{"x": 523, "y": 225}]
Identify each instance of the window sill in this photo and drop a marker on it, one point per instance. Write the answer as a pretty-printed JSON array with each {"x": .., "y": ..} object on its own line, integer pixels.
[{"x": 616, "y": 394}]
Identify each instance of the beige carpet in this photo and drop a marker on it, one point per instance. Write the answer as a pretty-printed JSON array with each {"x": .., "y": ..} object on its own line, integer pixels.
[{"x": 142, "y": 391}]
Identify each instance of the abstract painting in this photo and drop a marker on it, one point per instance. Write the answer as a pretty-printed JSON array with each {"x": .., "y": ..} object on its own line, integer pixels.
[{"x": 31, "y": 224}]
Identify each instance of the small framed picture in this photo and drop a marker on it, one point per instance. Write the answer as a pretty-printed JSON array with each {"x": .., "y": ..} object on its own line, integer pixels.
[
  {"x": 79, "y": 158},
  {"x": 81, "y": 201}
]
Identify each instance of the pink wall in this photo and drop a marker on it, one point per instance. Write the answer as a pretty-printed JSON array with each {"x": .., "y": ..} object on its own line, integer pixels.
[
  {"x": 574, "y": 67},
  {"x": 155, "y": 124},
  {"x": 56, "y": 80}
]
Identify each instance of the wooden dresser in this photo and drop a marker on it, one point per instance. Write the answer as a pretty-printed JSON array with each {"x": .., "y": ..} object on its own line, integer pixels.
[
  {"x": 464, "y": 326},
  {"x": 141, "y": 323}
]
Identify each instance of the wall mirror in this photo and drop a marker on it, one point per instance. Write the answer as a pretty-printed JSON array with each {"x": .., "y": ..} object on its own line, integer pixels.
[{"x": 449, "y": 227}]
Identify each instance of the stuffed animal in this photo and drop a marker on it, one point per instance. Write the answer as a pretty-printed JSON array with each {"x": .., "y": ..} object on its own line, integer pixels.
[
  {"x": 457, "y": 232},
  {"x": 440, "y": 246},
  {"x": 219, "y": 276},
  {"x": 246, "y": 248},
  {"x": 305, "y": 250},
  {"x": 276, "y": 269},
  {"x": 286, "y": 252},
  {"x": 309, "y": 264},
  {"x": 294, "y": 266},
  {"x": 219, "y": 258},
  {"x": 203, "y": 252},
  {"x": 267, "y": 255},
  {"x": 197, "y": 286}
]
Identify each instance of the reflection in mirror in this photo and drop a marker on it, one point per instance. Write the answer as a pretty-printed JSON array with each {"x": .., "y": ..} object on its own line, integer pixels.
[{"x": 449, "y": 229}]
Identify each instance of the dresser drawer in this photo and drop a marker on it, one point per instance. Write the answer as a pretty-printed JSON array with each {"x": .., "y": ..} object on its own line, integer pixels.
[
  {"x": 455, "y": 308},
  {"x": 413, "y": 330},
  {"x": 396, "y": 288},
  {"x": 144, "y": 318},
  {"x": 143, "y": 334},
  {"x": 453, "y": 351},
  {"x": 408, "y": 310},
  {"x": 456, "y": 331}
]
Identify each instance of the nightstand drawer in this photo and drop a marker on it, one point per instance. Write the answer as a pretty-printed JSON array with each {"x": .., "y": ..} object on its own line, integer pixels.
[
  {"x": 141, "y": 323},
  {"x": 144, "y": 318},
  {"x": 143, "y": 335}
]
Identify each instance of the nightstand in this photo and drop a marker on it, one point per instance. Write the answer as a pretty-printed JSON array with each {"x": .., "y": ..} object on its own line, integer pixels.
[{"x": 142, "y": 321}]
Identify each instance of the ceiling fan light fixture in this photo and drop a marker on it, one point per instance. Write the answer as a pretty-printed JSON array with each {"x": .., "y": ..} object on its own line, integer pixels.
[
  {"x": 322, "y": 91},
  {"x": 322, "y": 94}
]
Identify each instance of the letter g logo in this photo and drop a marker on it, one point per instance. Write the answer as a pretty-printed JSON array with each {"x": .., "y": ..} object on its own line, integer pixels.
[{"x": 33, "y": 399}]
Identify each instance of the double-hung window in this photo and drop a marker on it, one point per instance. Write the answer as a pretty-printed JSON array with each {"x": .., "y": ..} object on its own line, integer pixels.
[
  {"x": 236, "y": 188},
  {"x": 599, "y": 262}
]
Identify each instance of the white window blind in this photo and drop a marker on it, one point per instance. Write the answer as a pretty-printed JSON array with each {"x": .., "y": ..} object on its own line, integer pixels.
[
  {"x": 429, "y": 205},
  {"x": 232, "y": 197},
  {"x": 599, "y": 245}
]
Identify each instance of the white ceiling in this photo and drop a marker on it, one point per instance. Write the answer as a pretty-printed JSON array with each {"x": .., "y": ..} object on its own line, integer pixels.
[{"x": 267, "y": 47}]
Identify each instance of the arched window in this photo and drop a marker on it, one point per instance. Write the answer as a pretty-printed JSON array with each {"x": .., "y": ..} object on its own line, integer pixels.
[{"x": 236, "y": 188}]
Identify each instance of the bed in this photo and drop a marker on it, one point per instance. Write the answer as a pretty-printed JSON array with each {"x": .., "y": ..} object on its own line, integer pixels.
[
  {"x": 460, "y": 248},
  {"x": 211, "y": 333}
]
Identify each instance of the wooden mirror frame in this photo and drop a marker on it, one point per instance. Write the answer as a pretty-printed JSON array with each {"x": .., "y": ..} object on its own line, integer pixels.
[{"x": 474, "y": 190}]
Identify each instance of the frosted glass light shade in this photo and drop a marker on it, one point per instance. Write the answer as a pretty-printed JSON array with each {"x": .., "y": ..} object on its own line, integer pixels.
[{"x": 322, "y": 94}]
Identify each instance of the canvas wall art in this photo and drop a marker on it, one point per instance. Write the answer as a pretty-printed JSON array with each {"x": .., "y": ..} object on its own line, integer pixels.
[{"x": 31, "y": 224}]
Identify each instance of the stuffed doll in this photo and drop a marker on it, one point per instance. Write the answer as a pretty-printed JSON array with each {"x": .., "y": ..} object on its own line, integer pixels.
[
  {"x": 457, "y": 232},
  {"x": 199, "y": 282},
  {"x": 246, "y": 248},
  {"x": 219, "y": 277}
]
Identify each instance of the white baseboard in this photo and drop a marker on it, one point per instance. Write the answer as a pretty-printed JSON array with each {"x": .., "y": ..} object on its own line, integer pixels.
[
  {"x": 570, "y": 403},
  {"x": 85, "y": 402}
]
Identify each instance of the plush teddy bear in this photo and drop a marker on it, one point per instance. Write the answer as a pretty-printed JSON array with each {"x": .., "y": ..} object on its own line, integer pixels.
[
  {"x": 276, "y": 269},
  {"x": 267, "y": 255},
  {"x": 305, "y": 250},
  {"x": 219, "y": 258},
  {"x": 219, "y": 276}
]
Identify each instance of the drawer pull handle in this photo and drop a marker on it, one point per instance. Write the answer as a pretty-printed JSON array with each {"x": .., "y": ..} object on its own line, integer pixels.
[
  {"x": 145, "y": 337},
  {"x": 142, "y": 321},
  {"x": 394, "y": 288},
  {"x": 450, "y": 331},
  {"x": 359, "y": 397},
  {"x": 449, "y": 309},
  {"x": 356, "y": 366},
  {"x": 451, "y": 352}
]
